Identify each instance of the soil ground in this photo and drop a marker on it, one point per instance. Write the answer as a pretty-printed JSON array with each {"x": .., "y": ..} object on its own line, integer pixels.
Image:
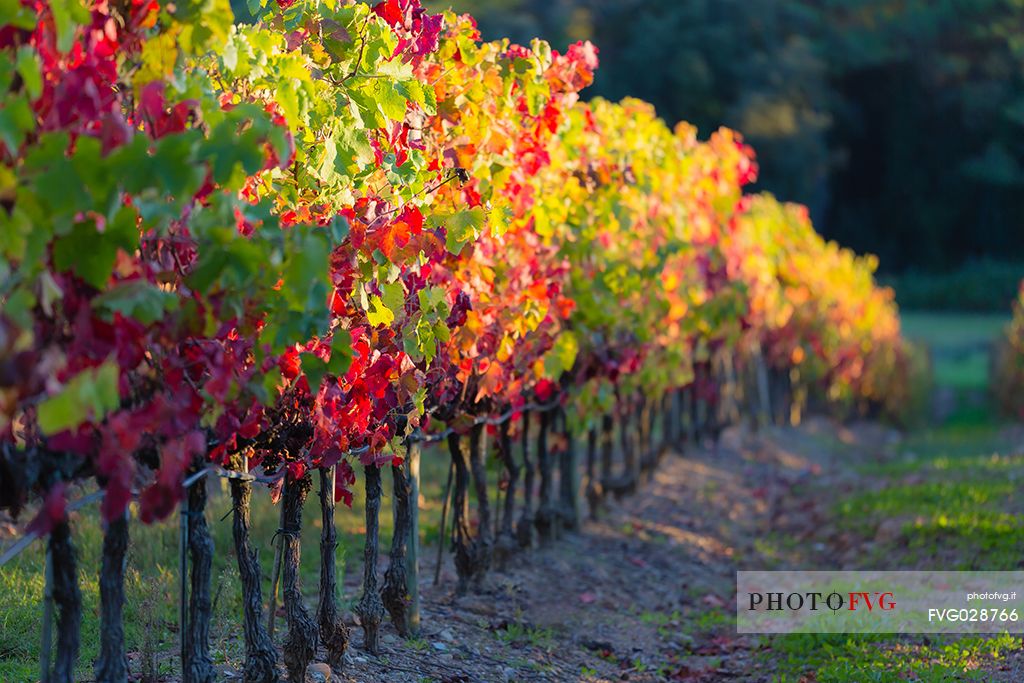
[{"x": 646, "y": 591}]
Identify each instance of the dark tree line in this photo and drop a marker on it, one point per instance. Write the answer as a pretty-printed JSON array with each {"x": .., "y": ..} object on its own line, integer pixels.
[{"x": 899, "y": 122}]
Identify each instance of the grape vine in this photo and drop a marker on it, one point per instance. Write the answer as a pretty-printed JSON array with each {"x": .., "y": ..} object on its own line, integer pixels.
[{"x": 299, "y": 245}]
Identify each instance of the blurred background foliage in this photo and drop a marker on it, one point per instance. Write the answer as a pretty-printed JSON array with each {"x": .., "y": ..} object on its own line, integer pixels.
[{"x": 900, "y": 123}]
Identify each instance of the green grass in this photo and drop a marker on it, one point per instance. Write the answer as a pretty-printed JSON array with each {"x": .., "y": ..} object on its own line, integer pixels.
[
  {"x": 969, "y": 371},
  {"x": 952, "y": 331},
  {"x": 950, "y": 525},
  {"x": 522, "y": 635},
  {"x": 960, "y": 347},
  {"x": 954, "y": 494},
  {"x": 151, "y": 584},
  {"x": 837, "y": 658},
  {"x": 959, "y": 343},
  {"x": 941, "y": 449}
]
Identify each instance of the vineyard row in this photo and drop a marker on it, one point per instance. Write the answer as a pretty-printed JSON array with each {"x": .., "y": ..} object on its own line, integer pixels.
[{"x": 306, "y": 244}]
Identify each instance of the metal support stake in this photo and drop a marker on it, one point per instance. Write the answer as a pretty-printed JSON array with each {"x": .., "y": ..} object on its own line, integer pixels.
[{"x": 183, "y": 587}]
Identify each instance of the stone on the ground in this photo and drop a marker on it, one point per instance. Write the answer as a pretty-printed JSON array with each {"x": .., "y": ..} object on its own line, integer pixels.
[{"x": 318, "y": 673}]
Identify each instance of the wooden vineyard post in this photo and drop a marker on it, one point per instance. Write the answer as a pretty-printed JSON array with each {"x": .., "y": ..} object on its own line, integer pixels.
[
  {"x": 412, "y": 558},
  {"x": 371, "y": 608},
  {"x": 799, "y": 396},
  {"x": 183, "y": 585},
  {"x": 764, "y": 395},
  {"x": 781, "y": 396},
  {"x": 659, "y": 429},
  {"x": 462, "y": 537},
  {"x": 682, "y": 418},
  {"x": 667, "y": 413},
  {"x": 546, "y": 514},
  {"x": 675, "y": 420},
  {"x": 301, "y": 643},
  {"x": 736, "y": 389},
  {"x": 689, "y": 427},
  {"x": 607, "y": 453},
  {"x": 200, "y": 545},
  {"x": 260, "y": 653},
  {"x": 395, "y": 593},
  {"x": 505, "y": 539},
  {"x": 594, "y": 489},
  {"x": 630, "y": 449},
  {"x": 483, "y": 545},
  {"x": 524, "y": 528},
  {"x": 67, "y": 598},
  {"x": 275, "y": 579},
  {"x": 334, "y": 633},
  {"x": 717, "y": 375},
  {"x": 569, "y": 479},
  {"x": 701, "y": 414},
  {"x": 648, "y": 455},
  {"x": 643, "y": 451},
  {"x": 445, "y": 501},
  {"x": 112, "y": 663},
  {"x": 763, "y": 389},
  {"x": 46, "y": 643}
]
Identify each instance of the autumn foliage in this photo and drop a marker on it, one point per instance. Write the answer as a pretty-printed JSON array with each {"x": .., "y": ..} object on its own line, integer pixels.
[{"x": 308, "y": 238}]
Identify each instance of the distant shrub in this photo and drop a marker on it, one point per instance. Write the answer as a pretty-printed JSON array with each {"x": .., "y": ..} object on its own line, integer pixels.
[
  {"x": 981, "y": 286},
  {"x": 1007, "y": 371},
  {"x": 1007, "y": 364},
  {"x": 911, "y": 406}
]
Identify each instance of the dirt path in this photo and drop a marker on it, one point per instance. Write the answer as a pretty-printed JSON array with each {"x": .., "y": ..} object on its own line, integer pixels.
[{"x": 645, "y": 593}]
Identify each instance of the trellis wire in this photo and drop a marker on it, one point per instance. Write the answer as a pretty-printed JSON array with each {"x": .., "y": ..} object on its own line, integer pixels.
[
  {"x": 26, "y": 540},
  {"x": 29, "y": 536},
  {"x": 275, "y": 581}
]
